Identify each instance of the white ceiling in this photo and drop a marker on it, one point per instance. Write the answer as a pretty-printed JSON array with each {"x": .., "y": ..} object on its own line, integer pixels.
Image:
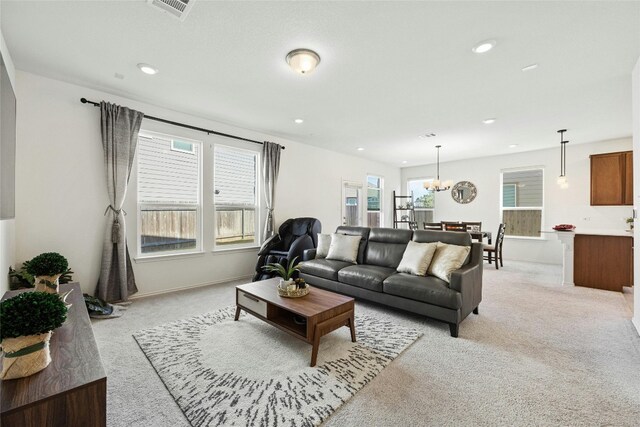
[{"x": 390, "y": 71}]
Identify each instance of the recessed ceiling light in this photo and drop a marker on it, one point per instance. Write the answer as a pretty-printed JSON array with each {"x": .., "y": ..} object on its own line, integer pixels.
[
  {"x": 530, "y": 67},
  {"x": 298, "y": 121},
  {"x": 148, "y": 69},
  {"x": 484, "y": 46},
  {"x": 404, "y": 162},
  {"x": 360, "y": 149},
  {"x": 489, "y": 121},
  {"x": 513, "y": 145}
]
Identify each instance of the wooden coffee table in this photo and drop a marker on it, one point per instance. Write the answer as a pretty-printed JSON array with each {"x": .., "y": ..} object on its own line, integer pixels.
[{"x": 323, "y": 311}]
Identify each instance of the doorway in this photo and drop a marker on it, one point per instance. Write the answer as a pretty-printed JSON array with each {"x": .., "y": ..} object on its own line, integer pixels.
[{"x": 352, "y": 204}]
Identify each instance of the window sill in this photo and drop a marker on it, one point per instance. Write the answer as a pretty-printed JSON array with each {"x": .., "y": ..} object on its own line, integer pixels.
[
  {"x": 230, "y": 250},
  {"x": 167, "y": 257}
]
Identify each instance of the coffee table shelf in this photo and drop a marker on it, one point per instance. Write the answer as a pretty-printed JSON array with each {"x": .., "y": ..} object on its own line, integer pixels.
[{"x": 322, "y": 310}]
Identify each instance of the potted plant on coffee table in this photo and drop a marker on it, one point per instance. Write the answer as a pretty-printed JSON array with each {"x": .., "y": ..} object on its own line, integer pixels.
[
  {"x": 47, "y": 269},
  {"x": 28, "y": 320},
  {"x": 288, "y": 287}
]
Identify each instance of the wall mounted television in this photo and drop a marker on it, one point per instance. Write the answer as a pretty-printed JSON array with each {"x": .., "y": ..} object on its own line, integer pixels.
[{"x": 7, "y": 145}]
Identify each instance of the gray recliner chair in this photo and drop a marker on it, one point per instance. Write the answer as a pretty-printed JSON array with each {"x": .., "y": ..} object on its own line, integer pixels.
[{"x": 295, "y": 235}]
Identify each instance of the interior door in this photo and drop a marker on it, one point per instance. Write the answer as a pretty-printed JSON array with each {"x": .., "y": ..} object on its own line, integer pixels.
[{"x": 352, "y": 203}]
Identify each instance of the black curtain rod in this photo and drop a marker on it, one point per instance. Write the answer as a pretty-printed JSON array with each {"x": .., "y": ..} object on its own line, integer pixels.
[{"x": 207, "y": 131}]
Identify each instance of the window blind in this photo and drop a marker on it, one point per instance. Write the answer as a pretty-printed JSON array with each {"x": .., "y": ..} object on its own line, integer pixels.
[
  {"x": 165, "y": 175},
  {"x": 234, "y": 178}
]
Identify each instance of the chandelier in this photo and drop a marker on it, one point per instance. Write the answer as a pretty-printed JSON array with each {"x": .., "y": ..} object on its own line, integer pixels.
[
  {"x": 436, "y": 184},
  {"x": 562, "y": 179}
]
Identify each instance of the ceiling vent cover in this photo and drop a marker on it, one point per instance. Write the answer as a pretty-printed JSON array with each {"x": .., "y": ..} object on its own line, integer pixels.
[{"x": 177, "y": 8}]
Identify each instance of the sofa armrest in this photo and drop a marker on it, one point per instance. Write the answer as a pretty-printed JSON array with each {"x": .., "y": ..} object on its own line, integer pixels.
[
  {"x": 298, "y": 247},
  {"x": 468, "y": 280},
  {"x": 309, "y": 254}
]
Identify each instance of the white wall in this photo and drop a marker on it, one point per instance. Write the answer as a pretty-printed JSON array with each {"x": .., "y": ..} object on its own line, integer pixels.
[
  {"x": 7, "y": 226},
  {"x": 61, "y": 185},
  {"x": 636, "y": 189},
  {"x": 560, "y": 206}
]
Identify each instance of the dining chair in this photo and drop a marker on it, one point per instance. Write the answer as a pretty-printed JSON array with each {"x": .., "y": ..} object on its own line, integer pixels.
[
  {"x": 495, "y": 251},
  {"x": 432, "y": 225},
  {"x": 453, "y": 226},
  {"x": 475, "y": 229}
]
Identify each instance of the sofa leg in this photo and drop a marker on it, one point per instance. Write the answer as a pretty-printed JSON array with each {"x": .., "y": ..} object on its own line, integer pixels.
[
  {"x": 453, "y": 328},
  {"x": 475, "y": 310}
]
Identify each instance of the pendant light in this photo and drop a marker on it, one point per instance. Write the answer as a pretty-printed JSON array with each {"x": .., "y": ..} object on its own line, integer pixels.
[
  {"x": 562, "y": 179},
  {"x": 436, "y": 184}
]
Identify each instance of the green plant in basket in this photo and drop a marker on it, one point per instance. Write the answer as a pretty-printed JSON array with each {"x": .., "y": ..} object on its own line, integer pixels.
[
  {"x": 31, "y": 313},
  {"x": 286, "y": 273},
  {"x": 47, "y": 269}
]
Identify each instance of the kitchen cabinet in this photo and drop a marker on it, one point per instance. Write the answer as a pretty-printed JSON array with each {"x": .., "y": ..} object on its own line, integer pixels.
[
  {"x": 603, "y": 262},
  {"x": 612, "y": 179}
]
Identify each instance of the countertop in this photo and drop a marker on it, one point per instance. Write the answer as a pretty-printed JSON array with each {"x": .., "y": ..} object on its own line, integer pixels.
[{"x": 596, "y": 232}]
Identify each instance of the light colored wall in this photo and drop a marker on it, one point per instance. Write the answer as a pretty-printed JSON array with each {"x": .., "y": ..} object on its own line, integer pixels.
[
  {"x": 7, "y": 226},
  {"x": 636, "y": 189},
  {"x": 560, "y": 206},
  {"x": 61, "y": 185}
]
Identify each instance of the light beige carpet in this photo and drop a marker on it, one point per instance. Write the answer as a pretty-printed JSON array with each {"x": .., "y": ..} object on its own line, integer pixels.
[{"x": 538, "y": 354}]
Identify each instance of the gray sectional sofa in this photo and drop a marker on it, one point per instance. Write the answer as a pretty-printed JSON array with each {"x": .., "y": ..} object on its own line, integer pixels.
[{"x": 375, "y": 278}]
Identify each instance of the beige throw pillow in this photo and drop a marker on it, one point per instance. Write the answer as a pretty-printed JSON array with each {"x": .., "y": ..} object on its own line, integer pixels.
[
  {"x": 416, "y": 258},
  {"x": 447, "y": 259},
  {"x": 324, "y": 241},
  {"x": 344, "y": 248}
]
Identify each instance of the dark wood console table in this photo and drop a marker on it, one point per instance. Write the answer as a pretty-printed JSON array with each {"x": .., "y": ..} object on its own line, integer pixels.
[{"x": 72, "y": 390}]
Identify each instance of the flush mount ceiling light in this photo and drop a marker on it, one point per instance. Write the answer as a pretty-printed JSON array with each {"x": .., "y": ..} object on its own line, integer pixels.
[
  {"x": 489, "y": 121},
  {"x": 436, "y": 184},
  {"x": 530, "y": 67},
  {"x": 303, "y": 61},
  {"x": 148, "y": 69},
  {"x": 484, "y": 46},
  {"x": 298, "y": 121},
  {"x": 562, "y": 179}
]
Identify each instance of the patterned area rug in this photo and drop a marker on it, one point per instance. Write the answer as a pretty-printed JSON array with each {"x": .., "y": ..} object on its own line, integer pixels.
[{"x": 222, "y": 372}]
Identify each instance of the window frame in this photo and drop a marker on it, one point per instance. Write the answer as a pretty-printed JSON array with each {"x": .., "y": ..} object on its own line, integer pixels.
[
  {"x": 523, "y": 208},
  {"x": 380, "y": 189},
  {"x": 433, "y": 209},
  {"x": 177, "y": 206},
  {"x": 257, "y": 207}
]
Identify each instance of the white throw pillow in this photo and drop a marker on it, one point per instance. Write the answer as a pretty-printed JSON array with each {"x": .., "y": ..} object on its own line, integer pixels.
[
  {"x": 344, "y": 248},
  {"x": 324, "y": 241},
  {"x": 416, "y": 258},
  {"x": 447, "y": 259}
]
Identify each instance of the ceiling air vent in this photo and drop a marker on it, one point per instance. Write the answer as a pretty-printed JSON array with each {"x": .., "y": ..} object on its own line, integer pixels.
[{"x": 177, "y": 8}]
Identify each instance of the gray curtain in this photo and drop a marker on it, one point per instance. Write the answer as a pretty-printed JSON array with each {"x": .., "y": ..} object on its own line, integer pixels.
[
  {"x": 120, "y": 127},
  {"x": 270, "y": 168}
]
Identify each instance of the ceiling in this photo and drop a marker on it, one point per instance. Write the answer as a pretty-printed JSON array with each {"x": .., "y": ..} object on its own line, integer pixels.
[{"x": 390, "y": 71}]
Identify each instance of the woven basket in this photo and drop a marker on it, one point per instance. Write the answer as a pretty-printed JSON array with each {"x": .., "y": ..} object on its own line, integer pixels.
[
  {"x": 36, "y": 355},
  {"x": 296, "y": 293}
]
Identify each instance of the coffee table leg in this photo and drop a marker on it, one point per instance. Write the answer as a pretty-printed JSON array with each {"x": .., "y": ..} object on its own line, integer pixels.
[
  {"x": 237, "y": 313},
  {"x": 316, "y": 345},
  {"x": 352, "y": 327}
]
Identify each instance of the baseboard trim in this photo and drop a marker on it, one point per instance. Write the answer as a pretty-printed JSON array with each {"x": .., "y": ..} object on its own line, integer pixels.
[{"x": 184, "y": 288}]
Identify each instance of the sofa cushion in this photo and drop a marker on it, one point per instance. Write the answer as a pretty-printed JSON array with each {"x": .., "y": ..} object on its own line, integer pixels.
[
  {"x": 363, "y": 232},
  {"x": 344, "y": 248},
  {"x": 324, "y": 241},
  {"x": 325, "y": 268},
  {"x": 365, "y": 276},
  {"x": 416, "y": 258},
  {"x": 386, "y": 246},
  {"x": 425, "y": 289},
  {"x": 447, "y": 259}
]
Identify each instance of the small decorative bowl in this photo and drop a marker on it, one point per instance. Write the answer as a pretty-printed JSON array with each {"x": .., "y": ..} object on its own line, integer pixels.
[{"x": 296, "y": 293}]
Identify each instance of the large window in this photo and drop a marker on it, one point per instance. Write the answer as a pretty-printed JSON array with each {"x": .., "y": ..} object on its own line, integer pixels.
[
  {"x": 423, "y": 201},
  {"x": 374, "y": 201},
  {"x": 522, "y": 202},
  {"x": 235, "y": 196},
  {"x": 169, "y": 203}
]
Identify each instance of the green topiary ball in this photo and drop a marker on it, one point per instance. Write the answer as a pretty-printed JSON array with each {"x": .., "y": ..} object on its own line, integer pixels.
[
  {"x": 47, "y": 264},
  {"x": 31, "y": 313}
]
